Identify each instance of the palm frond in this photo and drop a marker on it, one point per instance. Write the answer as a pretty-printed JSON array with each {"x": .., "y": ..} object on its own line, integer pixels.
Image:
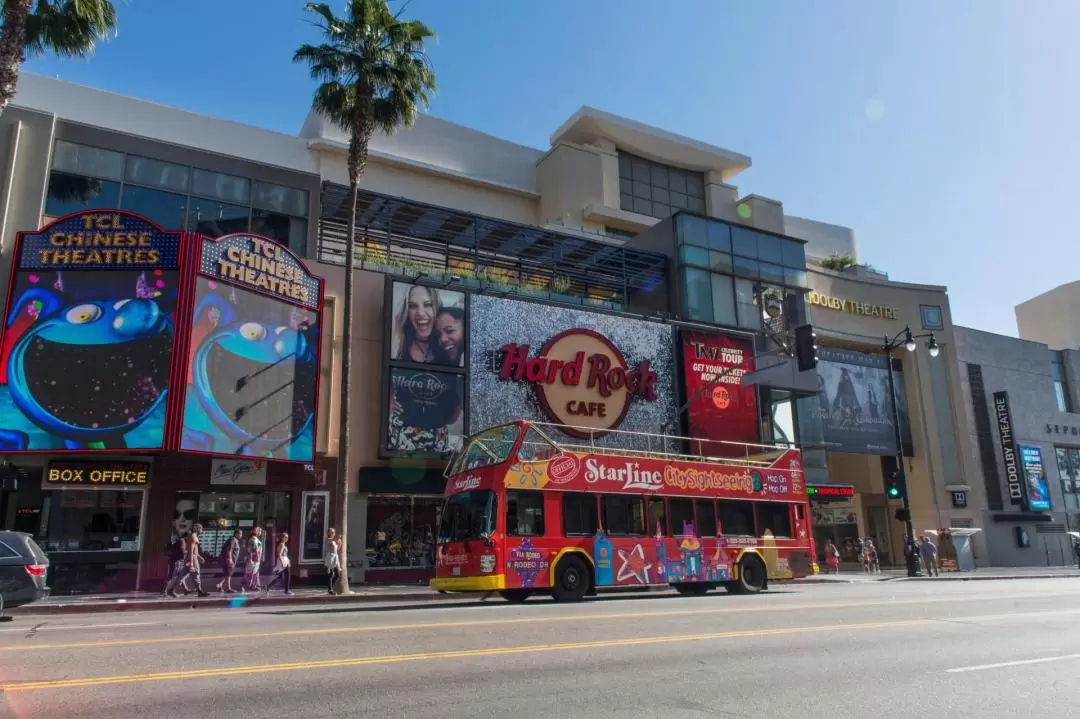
[{"x": 69, "y": 28}]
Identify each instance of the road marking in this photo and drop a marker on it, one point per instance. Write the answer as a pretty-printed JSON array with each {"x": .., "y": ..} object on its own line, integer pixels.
[
  {"x": 550, "y": 619},
  {"x": 219, "y": 672},
  {"x": 1017, "y": 663},
  {"x": 65, "y": 627}
]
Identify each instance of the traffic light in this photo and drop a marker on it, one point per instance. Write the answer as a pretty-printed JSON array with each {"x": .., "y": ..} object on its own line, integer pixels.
[
  {"x": 805, "y": 349},
  {"x": 894, "y": 486}
]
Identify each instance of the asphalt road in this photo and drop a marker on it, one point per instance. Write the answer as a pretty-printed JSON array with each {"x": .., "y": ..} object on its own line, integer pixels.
[{"x": 881, "y": 649}]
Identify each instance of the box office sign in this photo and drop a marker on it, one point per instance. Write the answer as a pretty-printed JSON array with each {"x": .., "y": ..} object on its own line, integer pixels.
[
  {"x": 1003, "y": 417},
  {"x": 97, "y": 474}
]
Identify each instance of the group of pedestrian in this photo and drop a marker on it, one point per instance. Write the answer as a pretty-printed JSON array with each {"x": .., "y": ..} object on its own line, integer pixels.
[
  {"x": 865, "y": 553},
  {"x": 186, "y": 558}
]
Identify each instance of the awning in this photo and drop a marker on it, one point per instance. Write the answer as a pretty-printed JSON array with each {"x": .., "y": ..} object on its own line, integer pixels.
[{"x": 397, "y": 479}]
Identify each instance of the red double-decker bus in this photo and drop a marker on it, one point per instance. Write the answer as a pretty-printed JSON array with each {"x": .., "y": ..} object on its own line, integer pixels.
[{"x": 527, "y": 513}]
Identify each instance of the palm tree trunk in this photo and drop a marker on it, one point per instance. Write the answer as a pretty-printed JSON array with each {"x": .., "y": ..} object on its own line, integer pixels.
[
  {"x": 12, "y": 47},
  {"x": 345, "y": 420}
]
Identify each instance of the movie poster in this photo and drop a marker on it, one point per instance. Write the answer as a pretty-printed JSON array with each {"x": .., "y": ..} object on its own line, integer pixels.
[
  {"x": 253, "y": 360},
  {"x": 1035, "y": 485},
  {"x": 853, "y": 403},
  {"x": 88, "y": 336}
]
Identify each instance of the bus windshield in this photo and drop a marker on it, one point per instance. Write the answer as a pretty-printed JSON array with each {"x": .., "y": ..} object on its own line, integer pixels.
[
  {"x": 492, "y": 446},
  {"x": 468, "y": 515}
]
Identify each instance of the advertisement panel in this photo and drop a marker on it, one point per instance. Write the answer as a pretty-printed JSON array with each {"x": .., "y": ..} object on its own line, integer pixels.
[
  {"x": 428, "y": 325},
  {"x": 88, "y": 338},
  {"x": 1036, "y": 486},
  {"x": 720, "y": 408},
  {"x": 854, "y": 404},
  {"x": 1003, "y": 419},
  {"x": 593, "y": 371},
  {"x": 253, "y": 352},
  {"x": 426, "y": 412}
]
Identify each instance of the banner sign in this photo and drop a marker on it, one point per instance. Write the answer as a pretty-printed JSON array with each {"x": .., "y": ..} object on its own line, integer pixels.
[
  {"x": 1036, "y": 487},
  {"x": 854, "y": 403},
  {"x": 1003, "y": 417},
  {"x": 720, "y": 408}
]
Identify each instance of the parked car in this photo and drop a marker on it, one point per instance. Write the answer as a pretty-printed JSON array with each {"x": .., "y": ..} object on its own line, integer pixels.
[{"x": 23, "y": 566}]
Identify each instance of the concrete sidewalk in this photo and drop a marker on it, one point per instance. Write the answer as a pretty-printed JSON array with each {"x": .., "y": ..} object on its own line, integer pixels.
[{"x": 982, "y": 573}]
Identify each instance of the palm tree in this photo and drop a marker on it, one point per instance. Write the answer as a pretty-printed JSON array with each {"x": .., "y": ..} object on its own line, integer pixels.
[
  {"x": 69, "y": 28},
  {"x": 373, "y": 74}
]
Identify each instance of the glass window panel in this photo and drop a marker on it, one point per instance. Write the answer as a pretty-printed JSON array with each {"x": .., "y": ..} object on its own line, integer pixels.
[
  {"x": 746, "y": 304},
  {"x": 622, "y": 515},
  {"x": 642, "y": 206},
  {"x": 706, "y": 517},
  {"x": 744, "y": 242},
  {"x": 659, "y": 176},
  {"x": 736, "y": 518},
  {"x": 641, "y": 170},
  {"x": 695, "y": 204},
  {"x": 167, "y": 176},
  {"x": 772, "y": 273},
  {"x": 165, "y": 208},
  {"x": 224, "y": 187},
  {"x": 794, "y": 254},
  {"x": 677, "y": 180},
  {"x": 93, "y": 520},
  {"x": 289, "y": 231},
  {"x": 795, "y": 278},
  {"x": 770, "y": 249},
  {"x": 657, "y": 516},
  {"x": 74, "y": 193},
  {"x": 694, "y": 255},
  {"x": 1072, "y": 502},
  {"x": 524, "y": 513},
  {"x": 216, "y": 218},
  {"x": 692, "y": 230},
  {"x": 695, "y": 186},
  {"x": 680, "y": 516},
  {"x": 642, "y": 190},
  {"x": 626, "y": 202},
  {"x": 626, "y": 187},
  {"x": 774, "y": 517},
  {"x": 89, "y": 161},
  {"x": 625, "y": 166},
  {"x": 580, "y": 518},
  {"x": 720, "y": 261},
  {"x": 698, "y": 294},
  {"x": 1061, "y": 397},
  {"x": 678, "y": 200},
  {"x": 720, "y": 236},
  {"x": 278, "y": 198},
  {"x": 723, "y": 297},
  {"x": 746, "y": 267},
  {"x": 659, "y": 194}
]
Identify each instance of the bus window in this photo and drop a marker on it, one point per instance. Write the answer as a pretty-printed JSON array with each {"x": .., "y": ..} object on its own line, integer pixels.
[
  {"x": 468, "y": 515},
  {"x": 657, "y": 516},
  {"x": 736, "y": 518},
  {"x": 524, "y": 513},
  {"x": 706, "y": 517},
  {"x": 623, "y": 516},
  {"x": 681, "y": 516},
  {"x": 774, "y": 516},
  {"x": 579, "y": 515}
]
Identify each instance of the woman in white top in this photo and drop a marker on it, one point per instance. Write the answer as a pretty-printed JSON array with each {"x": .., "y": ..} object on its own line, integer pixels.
[{"x": 332, "y": 560}]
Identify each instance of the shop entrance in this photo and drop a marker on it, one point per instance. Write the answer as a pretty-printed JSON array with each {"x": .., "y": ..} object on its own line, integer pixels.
[{"x": 401, "y": 531}]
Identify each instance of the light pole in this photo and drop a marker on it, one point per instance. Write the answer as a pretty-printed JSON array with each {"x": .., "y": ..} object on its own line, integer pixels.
[{"x": 904, "y": 339}]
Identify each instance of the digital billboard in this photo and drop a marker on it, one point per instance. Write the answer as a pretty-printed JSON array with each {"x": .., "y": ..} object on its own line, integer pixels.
[
  {"x": 428, "y": 325},
  {"x": 1036, "y": 487},
  {"x": 253, "y": 352},
  {"x": 88, "y": 338},
  {"x": 854, "y": 404},
  {"x": 720, "y": 408}
]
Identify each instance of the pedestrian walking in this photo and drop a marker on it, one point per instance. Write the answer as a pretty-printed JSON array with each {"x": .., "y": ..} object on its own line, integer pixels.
[
  {"x": 1076, "y": 551},
  {"x": 929, "y": 556},
  {"x": 254, "y": 561},
  {"x": 282, "y": 570},
  {"x": 332, "y": 560},
  {"x": 229, "y": 558},
  {"x": 191, "y": 568},
  {"x": 832, "y": 557},
  {"x": 872, "y": 563}
]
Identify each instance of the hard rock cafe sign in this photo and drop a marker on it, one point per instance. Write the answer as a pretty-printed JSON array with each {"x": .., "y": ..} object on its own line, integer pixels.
[{"x": 581, "y": 380}]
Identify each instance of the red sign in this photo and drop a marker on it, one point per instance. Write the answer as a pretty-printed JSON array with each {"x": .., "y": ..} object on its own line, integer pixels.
[
  {"x": 581, "y": 379},
  {"x": 723, "y": 410},
  {"x": 779, "y": 479}
]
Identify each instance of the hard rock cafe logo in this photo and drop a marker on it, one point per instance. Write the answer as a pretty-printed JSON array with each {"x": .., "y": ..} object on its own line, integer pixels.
[{"x": 581, "y": 379}]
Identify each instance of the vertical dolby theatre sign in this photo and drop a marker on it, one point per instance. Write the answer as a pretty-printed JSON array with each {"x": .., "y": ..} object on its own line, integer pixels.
[{"x": 1003, "y": 416}]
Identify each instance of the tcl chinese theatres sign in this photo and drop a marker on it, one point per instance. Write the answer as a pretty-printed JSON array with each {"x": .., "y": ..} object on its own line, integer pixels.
[
  {"x": 781, "y": 480},
  {"x": 581, "y": 379},
  {"x": 721, "y": 409}
]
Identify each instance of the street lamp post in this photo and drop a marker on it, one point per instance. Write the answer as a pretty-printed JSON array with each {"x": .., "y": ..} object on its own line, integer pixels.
[{"x": 904, "y": 339}]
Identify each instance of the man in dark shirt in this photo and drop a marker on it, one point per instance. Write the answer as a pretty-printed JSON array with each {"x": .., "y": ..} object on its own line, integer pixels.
[{"x": 229, "y": 558}]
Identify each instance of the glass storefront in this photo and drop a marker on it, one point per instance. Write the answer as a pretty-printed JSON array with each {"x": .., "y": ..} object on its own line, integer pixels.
[
  {"x": 401, "y": 532},
  {"x": 841, "y": 526},
  {"x": 221, "y": 513}
]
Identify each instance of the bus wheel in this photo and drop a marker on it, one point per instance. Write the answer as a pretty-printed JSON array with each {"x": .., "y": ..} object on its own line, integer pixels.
[
  {"x": 692, "y": 589},
  {"x": 515, "y": 595},
  {"x": 751, "y": 576},
  {"x": 571, "y": 580}
]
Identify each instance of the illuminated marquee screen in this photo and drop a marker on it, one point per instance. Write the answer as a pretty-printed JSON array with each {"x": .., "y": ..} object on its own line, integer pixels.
[
  {"x": 253, "y": 352},
  {"x": 88, "y": 337}
]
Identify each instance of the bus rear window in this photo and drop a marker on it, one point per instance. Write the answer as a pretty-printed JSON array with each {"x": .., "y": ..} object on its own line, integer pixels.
[{"x": 467, "y": 515}]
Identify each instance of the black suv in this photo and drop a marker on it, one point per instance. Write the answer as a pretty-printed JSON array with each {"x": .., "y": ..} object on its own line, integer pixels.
[{"x": 22, "y": 569}]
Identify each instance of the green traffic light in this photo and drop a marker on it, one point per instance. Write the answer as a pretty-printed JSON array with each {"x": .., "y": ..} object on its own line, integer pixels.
[{"x": 894, "y": 491}]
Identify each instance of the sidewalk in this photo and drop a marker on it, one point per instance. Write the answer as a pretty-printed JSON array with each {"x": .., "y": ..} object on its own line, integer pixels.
[{"x": 982, "y": 573}]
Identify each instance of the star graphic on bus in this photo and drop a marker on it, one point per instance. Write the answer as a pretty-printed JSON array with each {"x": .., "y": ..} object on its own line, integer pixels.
[{"x": 633, "y": 565}]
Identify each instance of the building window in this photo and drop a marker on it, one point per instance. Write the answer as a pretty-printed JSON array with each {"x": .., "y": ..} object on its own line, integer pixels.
[
  {"x": 1061, "y": 383},
  {"x": 651, "y": 188},
  {"x": 177, "y": 197},
  {"x": 1068, "y": 463}
]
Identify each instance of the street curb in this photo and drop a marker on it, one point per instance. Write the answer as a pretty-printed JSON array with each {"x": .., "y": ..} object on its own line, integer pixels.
[
  {"x": 814, "y": 580},
  {"x": 985, "y": 578},
  {"x": 248, "y": 601}
]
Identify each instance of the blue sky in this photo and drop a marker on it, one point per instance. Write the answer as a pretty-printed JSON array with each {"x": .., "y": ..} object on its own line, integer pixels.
[{"x": 943, "y": 132}]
